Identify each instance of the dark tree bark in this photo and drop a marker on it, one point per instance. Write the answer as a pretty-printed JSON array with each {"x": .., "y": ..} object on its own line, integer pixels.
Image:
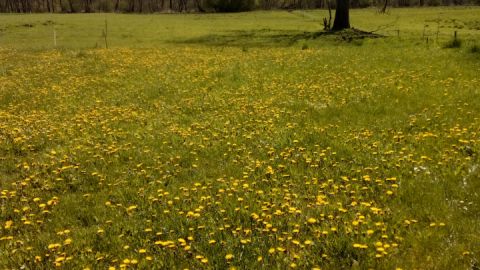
[
  {"x": 327, "y": 24},
  {"x": 23, "y": 6},
  {"x": 87, "y": 6},
  {"x": 116, "y": 5},
  {"x": 199, "y": 6},
  {"x": 342, "y": 16},
  {"x": 384, "y": 8},
  {"x": 72, "y": 8},
  {"x": 131, "y": 6},
  {"x": 182, "y": 5},
  {"x": 17, "y": 7}
]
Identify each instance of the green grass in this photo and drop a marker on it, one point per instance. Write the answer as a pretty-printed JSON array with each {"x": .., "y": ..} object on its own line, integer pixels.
[
  {"x": 197, "y": 136},
  {"x": 82, "y": 31}
]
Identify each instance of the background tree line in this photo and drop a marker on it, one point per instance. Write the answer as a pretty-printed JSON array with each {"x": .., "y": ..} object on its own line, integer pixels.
[{"x": 150, "y": 6}]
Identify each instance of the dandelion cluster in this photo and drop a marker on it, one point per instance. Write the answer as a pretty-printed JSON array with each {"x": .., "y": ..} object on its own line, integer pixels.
[{"x": 194, "y": 158}]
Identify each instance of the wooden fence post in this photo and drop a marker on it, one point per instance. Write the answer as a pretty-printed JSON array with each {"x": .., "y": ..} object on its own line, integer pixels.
[{"x": 54, "y": 37}]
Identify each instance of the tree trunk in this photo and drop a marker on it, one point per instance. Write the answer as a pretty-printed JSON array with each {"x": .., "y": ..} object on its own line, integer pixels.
[
  {"x": 384, "y": 9},
  {"x": 342, "y": 17},
  {"x": 72, "y": 9},
  {"x": 131, "y": 6},
  {"x": 10, "y": 4},
  {"x": 23, "y": 6},
  {"x": 199, "y": 6},
  {"x": 116, "y": 5},
  {"x": 87, "y": 6}
]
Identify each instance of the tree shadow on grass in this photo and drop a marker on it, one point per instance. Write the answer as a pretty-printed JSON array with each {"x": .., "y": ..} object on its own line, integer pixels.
[{"x": 274, "y": 38}]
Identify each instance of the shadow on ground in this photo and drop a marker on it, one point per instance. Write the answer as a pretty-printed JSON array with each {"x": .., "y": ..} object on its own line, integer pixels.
[{"x": 274, "y": 38}]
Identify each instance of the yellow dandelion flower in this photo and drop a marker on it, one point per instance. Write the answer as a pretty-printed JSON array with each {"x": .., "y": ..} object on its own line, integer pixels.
[
  {"x": 8, "y": 224},
  {"x": 269, "y": 170}
]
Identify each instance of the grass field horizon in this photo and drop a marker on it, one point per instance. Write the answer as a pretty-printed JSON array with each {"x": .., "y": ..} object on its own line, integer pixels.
[{"x": 240, "y": 141}]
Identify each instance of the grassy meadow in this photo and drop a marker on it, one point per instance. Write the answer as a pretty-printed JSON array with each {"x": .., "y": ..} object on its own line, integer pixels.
[{"x": 240, "y": 141}]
